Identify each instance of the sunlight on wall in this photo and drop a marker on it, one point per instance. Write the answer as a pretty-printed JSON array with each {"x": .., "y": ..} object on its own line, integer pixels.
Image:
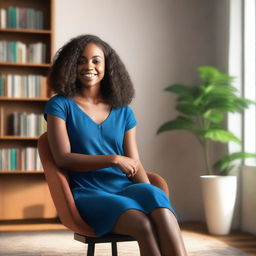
[
  {"x": 242, "y": 67},
  {"x": 249, "y": 78}
]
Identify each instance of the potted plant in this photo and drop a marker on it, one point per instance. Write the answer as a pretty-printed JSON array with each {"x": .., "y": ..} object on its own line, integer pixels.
[{"x": 202, "y": 111}]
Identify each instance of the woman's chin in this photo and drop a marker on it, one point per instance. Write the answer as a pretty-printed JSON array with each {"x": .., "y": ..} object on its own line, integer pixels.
[{"x": 89, "y": 85}]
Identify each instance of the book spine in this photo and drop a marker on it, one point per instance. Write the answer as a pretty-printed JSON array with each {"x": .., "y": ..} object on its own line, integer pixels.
[
  {"x": 1, "y": 160},
  {"x": 14, "y": 17},
  {"x": 1, "y": 121},
  {"x": 22, "y": 18},
  {"x": 2, "y": 50},
  {"x": 1, "y": 85},
  {"x": 3, "y": 18},
  {"x": 16, "y": 130},
  {"x": 9, "y": 17}
]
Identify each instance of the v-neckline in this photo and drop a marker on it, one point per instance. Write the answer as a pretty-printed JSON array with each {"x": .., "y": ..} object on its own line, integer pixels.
[{"x": 82, "y": 110}]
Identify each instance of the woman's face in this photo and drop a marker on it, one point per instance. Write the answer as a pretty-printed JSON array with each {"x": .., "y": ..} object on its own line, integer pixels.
[{"x": 91, "y": 66}]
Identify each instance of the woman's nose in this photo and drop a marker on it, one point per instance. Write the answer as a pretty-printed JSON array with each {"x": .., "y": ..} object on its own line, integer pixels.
[{"x": 89, "y": 66}]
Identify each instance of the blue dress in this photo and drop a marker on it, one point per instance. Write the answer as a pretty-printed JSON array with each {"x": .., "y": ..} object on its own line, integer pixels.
[{"x": 102, "y": 195}]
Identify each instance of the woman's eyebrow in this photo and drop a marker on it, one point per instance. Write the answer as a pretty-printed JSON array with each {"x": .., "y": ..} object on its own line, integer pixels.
[{"x": 95, "y": 56}]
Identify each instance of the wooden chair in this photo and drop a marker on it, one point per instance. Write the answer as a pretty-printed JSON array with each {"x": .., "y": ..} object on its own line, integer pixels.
[{"x": 58, "y": 183}]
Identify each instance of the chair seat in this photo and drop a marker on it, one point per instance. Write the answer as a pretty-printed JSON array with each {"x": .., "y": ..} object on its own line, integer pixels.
[{"x": 103, "y": 239}]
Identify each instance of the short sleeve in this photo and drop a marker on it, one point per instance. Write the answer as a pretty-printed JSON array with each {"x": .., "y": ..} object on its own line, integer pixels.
[
  {"x": 130, "y": 120},
  {"x": 56, "y": 106}
]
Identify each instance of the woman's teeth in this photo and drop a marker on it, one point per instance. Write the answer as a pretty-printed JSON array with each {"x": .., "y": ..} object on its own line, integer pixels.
[{"x": 89, "y": 75}]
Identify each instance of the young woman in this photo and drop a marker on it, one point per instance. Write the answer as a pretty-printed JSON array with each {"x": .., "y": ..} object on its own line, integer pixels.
[{"x": 92, "y": 133}]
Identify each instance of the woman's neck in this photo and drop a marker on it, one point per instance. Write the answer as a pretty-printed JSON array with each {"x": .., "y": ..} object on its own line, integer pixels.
[{"x": 91, "y": 94}]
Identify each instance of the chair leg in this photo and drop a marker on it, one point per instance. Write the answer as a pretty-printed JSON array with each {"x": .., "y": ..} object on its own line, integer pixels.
[
  {"x": 90, "y": 249},
  {"x": 114, "y": 248}
]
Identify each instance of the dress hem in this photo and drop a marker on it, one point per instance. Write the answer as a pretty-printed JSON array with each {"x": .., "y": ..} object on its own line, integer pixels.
[{"x": 126, "y": 209}]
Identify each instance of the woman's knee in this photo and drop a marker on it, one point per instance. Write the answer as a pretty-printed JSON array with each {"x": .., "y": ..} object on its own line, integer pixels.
[
  {"x": 152, "y": 191},
  {"x": 143, "y": 226},
  {"x": 133, "y": 223}
]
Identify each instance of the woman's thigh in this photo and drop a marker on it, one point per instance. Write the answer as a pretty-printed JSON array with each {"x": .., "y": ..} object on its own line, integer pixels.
[
  {"x": 102, "y": 210},
  {"x": 147, "y": 195}
]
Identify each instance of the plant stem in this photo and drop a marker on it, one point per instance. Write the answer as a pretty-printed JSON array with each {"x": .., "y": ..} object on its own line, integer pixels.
[
  {"x": 206, "y": 157},
  {"x": 204, "y": 124}
]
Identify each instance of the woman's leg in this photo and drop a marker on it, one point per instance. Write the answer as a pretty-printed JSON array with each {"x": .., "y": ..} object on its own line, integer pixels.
[
  {"x": 138, "y": 225},
  {"x": 168, "y": 232}
]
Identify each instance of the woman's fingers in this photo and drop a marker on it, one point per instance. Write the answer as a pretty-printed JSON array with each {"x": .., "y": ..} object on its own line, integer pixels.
[
  {"x": 130, "y": 173},
  {"x": 134, "y": 169},
  {"x": 128, "y": 165}
]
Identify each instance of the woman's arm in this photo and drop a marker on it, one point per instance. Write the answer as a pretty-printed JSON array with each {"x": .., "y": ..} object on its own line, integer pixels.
[
  {"x": 60, "y": 148},
  {"x": 131, "y": 150}
]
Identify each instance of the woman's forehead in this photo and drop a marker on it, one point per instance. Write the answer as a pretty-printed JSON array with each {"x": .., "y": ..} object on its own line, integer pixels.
[{"x": 91, "y": 50}]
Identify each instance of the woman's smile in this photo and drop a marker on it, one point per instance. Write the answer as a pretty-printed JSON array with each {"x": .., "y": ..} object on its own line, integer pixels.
[{"x": 88, "y": 75}]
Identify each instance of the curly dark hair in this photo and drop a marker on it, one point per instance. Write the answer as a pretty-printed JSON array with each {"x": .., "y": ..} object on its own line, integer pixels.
[{"x": 116, "y": 86}]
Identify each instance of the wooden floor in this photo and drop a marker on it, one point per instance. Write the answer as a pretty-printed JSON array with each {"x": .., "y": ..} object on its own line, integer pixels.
[
  {"x": 242, "y": 241},
  {"x": 197, "y": 240}
]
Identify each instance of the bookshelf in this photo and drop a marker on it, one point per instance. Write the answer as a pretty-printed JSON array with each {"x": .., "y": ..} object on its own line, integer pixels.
[{"x": 26, "y": 48}]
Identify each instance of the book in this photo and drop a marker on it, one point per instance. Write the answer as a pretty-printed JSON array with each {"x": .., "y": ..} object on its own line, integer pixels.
[
  {"x": 1, "y": 85},
  {"x": 22, "y": 18},
  {"x": 2, "y": 18},
  {"x": 1, "y": 121}
]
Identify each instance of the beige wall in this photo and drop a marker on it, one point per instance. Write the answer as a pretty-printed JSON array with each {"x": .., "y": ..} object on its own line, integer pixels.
[{"x": 161, "y": 42}]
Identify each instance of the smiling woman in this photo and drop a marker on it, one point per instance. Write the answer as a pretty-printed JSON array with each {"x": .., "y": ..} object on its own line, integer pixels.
[{"x": 92, "y": 133}]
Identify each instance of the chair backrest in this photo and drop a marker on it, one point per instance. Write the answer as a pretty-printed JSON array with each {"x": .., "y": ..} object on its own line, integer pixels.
[
  {"x": 158, "y": 181},
  {"x": 58, "y": 183}
]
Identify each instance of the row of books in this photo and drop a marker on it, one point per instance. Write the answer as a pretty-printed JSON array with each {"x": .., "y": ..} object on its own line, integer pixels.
[
  {"x": 24, "y": 18},
  {"x": 28, "y": 124},
  {"x": 27, "y": 159},
  {"x": 16, "y": 51},
  {"x": 23, "y": 86}
]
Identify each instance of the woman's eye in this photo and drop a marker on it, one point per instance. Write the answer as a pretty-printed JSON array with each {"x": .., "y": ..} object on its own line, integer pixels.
[
  {"x": 80, "y": 62},
  {"x": 96, "y": 62}
]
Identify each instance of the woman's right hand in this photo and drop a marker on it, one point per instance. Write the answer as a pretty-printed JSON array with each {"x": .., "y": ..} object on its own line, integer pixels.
[{"x": 128, "y": 165}]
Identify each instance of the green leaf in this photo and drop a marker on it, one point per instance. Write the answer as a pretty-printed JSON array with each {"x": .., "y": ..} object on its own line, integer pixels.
[
  {"x": 212, "y": 94},
  {"x": 242, "y": 103},
  {"x": 223, "y": 79},
  {"x": 211, "y": 75},
  {"x": 179, "y": 89},
  {"x": 188, "y": 109},
  {"x": 219, "y": 135},
  {"x": 185, "y": 98},
  {"x": 199, "y": 94},
  {"x": 207, "y": 73},
  {"x": 224, "y": 164},
  {"x": 180, "y": 123},
  {"x": 220, "y": 90},
  {"x": 223, "y": 106},
  {"x": 213, "y": 116}
]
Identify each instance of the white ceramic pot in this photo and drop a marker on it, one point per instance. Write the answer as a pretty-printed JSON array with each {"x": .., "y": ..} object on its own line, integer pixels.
[{"x": 219, "y": 196}]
